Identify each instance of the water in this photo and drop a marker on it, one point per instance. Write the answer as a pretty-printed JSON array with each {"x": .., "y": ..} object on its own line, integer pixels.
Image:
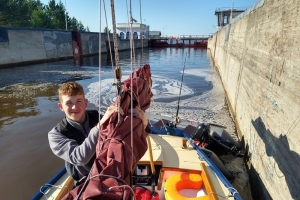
[{"x": 28, "y": 101}]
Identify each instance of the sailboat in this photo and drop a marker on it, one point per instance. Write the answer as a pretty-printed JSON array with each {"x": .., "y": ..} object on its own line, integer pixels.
[
  {"x": 173, "y": 167},
  {"x": 163, "y": 161}
]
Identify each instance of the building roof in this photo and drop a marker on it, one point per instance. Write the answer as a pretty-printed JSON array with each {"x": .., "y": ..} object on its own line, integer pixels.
[
  {"x": 154, "y": 33},
  {"x": 228, "y": 11},
  {"x": 134, "y": 25}
]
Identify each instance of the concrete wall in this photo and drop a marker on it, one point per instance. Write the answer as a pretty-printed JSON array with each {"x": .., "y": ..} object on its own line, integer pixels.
[
  {"x": 24, "y": 45},
  {"x": 124, "y": 44},
  {"x": 16, "y": 49},
  {"x": 58, "y": 44},
  {"x": 258, "y": 59},
  {"x": 20, "y": 46},
  {"x": 89, "y": 43}
]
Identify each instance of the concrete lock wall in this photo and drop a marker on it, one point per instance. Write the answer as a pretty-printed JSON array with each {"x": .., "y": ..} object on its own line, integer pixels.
[
  {"x": 258, "y": 59},
  {"x": 90, "y": 43},
  {"x": 15, "y": 49},
  {"x": 58, "y": 44},
  {"x": 21, "y": 46},
  {"x": 124, "y": 44}
]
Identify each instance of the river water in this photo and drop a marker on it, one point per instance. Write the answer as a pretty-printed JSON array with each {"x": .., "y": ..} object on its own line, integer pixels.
[{"x": 28, "y": 102}]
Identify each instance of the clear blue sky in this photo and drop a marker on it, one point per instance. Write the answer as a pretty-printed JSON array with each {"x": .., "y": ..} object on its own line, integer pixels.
[{"x": 172, "y": 17}]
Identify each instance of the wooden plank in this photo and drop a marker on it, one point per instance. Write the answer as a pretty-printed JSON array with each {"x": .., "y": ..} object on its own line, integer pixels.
[
  {"x": 68, "y": 186},
  {"x": 210, "y": 190}
]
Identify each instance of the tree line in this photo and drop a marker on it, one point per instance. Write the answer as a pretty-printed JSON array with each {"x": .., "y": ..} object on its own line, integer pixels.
[{"x": 34, "y": 14}]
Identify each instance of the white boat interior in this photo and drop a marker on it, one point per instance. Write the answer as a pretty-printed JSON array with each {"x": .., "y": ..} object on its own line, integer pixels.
[{"x": 171, "y": 155}]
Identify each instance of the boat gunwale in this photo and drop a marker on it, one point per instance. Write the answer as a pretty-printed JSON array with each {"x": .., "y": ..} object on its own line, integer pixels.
[
  {"x": 214, "y": 168},
  {"x": 52, "y": 181}
]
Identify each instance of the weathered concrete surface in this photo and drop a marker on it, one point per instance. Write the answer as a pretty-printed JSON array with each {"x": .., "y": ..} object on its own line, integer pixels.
[
  {"x": 58, "y": 44},
  {"x": 258, "y": 62},
  {"x": 23, "y": 45},
  {"x": 28, "y": 46},
  {"x": 90, "y": 43},
  {"x": 124, "y": 44}
]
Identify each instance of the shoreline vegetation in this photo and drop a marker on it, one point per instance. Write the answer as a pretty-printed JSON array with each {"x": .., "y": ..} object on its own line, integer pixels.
[{"x": 34, "y": 14}]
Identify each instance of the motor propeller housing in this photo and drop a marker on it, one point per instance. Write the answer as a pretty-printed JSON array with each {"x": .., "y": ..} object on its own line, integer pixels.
[{"x": 212, "y": 135}]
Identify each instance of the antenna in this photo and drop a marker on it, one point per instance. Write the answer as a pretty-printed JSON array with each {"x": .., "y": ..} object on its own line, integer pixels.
[
  {"x": 177, "y": 120},
  {"x": 231, "y": 10}
]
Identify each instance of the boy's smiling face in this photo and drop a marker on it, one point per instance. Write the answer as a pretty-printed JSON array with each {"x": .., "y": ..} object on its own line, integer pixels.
[{"x": 74, "y": 107}]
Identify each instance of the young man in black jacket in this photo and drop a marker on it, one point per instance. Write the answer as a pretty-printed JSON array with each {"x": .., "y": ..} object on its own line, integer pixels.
[{"x": 74, "y": 139}]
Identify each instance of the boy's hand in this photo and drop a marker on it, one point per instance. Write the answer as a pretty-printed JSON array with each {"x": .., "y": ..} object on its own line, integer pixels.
[
  {"x": 137, "y": 112},
  {"x": 110, "y": 110}
]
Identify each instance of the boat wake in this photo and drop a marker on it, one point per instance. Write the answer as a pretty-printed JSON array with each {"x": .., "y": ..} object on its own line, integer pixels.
[
  {"x": 164, "y": 90},
  {"x": 209, "y": 106}
]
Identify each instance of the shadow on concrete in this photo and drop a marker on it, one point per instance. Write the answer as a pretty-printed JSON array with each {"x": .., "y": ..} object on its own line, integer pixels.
[
  {"x": 286, "y": 165},
  {"x": 258, "y": 189}
]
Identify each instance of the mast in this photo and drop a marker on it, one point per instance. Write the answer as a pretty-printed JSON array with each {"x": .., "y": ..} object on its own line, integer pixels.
[
  {"x": 231, "y": 11},
  {"x": 118, "y": 71}
]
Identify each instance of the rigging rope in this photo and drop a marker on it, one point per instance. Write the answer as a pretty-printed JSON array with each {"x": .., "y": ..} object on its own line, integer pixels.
[
  {"x": 109, "y": 44},
  {"x": 141, "y": 31},
  {"x": 99, "y": 71},
  {"x": 118, "y": 76},
  {"x": 99, "y": 103},
  {"x": 118, "y": 71},
  {"x": 131, "y": 100},
  {"x": 131, "y": 34}
]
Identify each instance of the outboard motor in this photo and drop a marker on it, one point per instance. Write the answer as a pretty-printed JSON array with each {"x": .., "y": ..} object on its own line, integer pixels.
[
  {"x": 201, "y": 134},
  {"x": 216, "y": 136}
]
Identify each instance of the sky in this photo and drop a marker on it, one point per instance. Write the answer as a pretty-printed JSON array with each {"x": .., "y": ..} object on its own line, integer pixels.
[{"x": 171, "y": 17}]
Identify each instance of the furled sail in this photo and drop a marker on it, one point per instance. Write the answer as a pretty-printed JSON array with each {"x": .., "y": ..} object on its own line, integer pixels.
[{"x": 110, "y": 177}]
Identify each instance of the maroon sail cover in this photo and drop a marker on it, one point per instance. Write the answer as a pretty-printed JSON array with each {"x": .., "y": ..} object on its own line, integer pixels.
[{"x": 116, "y": 158}]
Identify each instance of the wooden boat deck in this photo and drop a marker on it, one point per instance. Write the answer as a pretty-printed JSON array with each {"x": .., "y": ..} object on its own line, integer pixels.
[{"x": 167, "y": 151}]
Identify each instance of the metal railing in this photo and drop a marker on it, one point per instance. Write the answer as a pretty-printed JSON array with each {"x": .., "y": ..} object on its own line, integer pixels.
[{"x": 182, "y": 37}]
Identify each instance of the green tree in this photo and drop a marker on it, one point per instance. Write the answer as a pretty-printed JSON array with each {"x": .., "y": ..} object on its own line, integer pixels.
[
  {"x": 33, "y": 13},
  {"x": 56, "y": 12},
  {"x": 106, "y": 30},
  {"x": 60, "y": 17},
  {"x": 3, "y": 12},
  {"x": 72, "y": 25},
  {"x": 14, "y": 13},
  {"x": 39, "y": 19},
  {"x": 21, "y": 15},
  {"x": 34, "y": 5},
  {"x": 38, "y": 16},
  {"x": 81, "y": 27}
]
